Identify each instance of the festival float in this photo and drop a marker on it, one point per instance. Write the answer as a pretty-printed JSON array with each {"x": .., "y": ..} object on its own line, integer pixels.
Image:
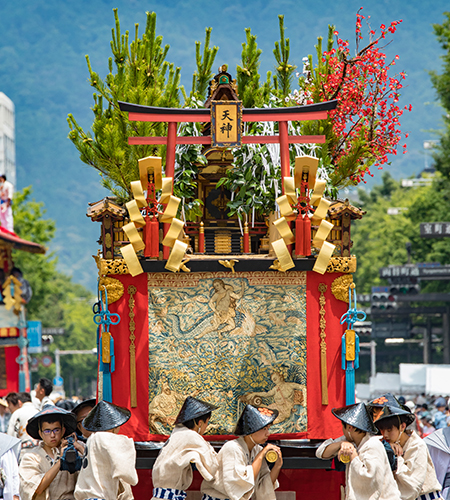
[
  {"x": 233, "y": 312},
  {"x": 14, "y": 367},
  {"x": 232, "y": 304}
]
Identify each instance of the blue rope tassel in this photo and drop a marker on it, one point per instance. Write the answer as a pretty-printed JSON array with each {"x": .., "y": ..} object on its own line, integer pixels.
[
  {"x": 103, "y": 318},
  {"x": 350, "y": 317}
]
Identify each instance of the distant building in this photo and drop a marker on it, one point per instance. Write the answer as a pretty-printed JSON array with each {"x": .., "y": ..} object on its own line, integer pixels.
[{"x": 7, "y": 139}]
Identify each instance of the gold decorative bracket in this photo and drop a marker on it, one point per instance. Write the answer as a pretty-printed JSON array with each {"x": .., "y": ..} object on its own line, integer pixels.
[
  {"x": 133, "y": 392},
  {"x": 323, "y": 344}
]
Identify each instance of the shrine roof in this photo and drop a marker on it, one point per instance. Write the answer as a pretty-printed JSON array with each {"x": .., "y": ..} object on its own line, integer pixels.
[
  {"x": 11, "y": 240},
  {"x": 139, "y": 108},
  {"x": 105, "y": 205},
  {"x": 339, "y": 207}
]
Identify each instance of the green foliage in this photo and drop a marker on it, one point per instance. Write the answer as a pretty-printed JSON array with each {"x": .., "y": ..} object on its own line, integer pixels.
[
  {"x": 250, "y": 92},
  {"x": 254, "y": 179},
  {"x": 284, "y": 70},
  {"x": 380, "y": 239},
  {"x": 138, "y": 73},
  {"x": 442, "y": 82},
  {"x": 203, "y": 75}
]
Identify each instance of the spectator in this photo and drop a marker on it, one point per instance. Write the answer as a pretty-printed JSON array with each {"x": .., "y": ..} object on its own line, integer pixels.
[
  {"x": 81, "y": 411},
  {"x": 43, "y": 391},
  {"x": 6, "y": 196},
  {"x": 9, "y": 454},
  {"x": 22, "y": 409},
  {"x": 420, "y": 400},
  {"x": 440, "y": 417},
  {"x": 42, "y": 472},
  {"x": 427, "y": 423},
  {"x": 5, "y": 415}
]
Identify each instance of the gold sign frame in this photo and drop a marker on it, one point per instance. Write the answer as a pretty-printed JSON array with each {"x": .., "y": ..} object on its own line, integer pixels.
[{"x": 226, "y": 124}]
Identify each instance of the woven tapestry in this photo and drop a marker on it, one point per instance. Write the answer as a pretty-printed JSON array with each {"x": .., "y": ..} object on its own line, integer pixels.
[{"x": 229, "y": 339}]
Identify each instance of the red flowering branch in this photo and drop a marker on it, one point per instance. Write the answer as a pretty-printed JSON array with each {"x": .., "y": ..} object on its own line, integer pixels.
[{"x": 365, "y": 127}]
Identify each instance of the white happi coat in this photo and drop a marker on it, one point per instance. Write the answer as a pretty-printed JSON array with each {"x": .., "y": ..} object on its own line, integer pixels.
[
  {"x": 109, "y": 463},
  {"x": 368, "y": 476},
  {"x": 173, "y": 469},
  {"x": 34, "y": 464},
  {"x": 235, "y": 479},
  {"x": 415, "y": 474}
]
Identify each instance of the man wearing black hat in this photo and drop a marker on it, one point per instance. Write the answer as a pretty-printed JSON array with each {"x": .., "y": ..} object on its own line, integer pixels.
[
  {"x": 415, "y": 475},
  {"x": 172, "y": 473},
  {"x": 368, "y": 473},
  {"x": 41, "y": 477},
  {"x": 243, "y": 471},
  {"x": 109, "y": 461},
  {"x": 81, "y": 411}
]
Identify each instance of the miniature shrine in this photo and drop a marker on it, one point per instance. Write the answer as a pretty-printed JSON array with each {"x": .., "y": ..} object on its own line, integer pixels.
[{"x": 231, "y": 310}]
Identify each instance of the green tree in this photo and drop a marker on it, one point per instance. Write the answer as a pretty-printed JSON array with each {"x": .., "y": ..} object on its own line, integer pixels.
[{"x": 138, "y": 73}]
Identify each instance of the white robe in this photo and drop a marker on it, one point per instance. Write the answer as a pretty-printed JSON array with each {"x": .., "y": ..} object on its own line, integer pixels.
[
  {"x": 368, "y": 476},
  {"x": 18, "y": 423},
  {"x": 415, "y": 474},
  {"x": 235, "y": 479},
  {"x": 9, "y": 454},
  {"x": 173, "y": 469},
  {"x": 109, "y": 460},
  {"x": 34, "y": 464}
]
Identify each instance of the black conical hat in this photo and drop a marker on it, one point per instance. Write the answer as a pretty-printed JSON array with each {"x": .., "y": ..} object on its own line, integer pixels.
[
  {"x": 84, "y": 404},
  {"x": 193, "y": 408},
  {"x": 393, "y": 411},
  {"x": 356, "y": 415},
  {"x": 253, "y": 419},
  {"x": 105, "y": 416},
  {"x": 384, "y": 400},
  {"x": 68, "y": 418}
]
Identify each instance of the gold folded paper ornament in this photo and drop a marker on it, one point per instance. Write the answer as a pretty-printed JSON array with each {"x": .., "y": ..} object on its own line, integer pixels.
[
  {"x": 171, "y": 210},
  {"x": 134, "y": 237},
  {"x": 306, "y": 164},
  {"x": 322, "y": 209},
  {"x": 167, "y": 184},
  {"x": 175, "y": 260},
  {"x": 174, "y": 231},
  {"x": 138, "y": 193},
  {"x": 322, "y": 233},
  {"x": 282, "y": 253},
  {"x": 289, "y": 189},
  {"x": 285, "y": 207},
  {"x": 324, "y": 257},
  {"x": 135, "y": 213},
  {"x": 284, "y": 230},
  {"x": 150, "y": 165},
  {"x": 319, "y": 189},
  {"x": 130, "y": 257}
]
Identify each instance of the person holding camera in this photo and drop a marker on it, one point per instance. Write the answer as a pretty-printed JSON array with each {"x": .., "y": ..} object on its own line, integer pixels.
[
  {"x": 44, "y": 471},
  {"x": 109, "y": 461}
]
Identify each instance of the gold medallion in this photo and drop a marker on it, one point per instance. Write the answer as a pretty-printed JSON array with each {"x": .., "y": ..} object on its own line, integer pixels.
[{"x": 345, "y": 459}]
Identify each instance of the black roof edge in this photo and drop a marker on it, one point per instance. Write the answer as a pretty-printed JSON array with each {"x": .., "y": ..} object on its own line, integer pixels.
[{"x": 139, "y": 108}]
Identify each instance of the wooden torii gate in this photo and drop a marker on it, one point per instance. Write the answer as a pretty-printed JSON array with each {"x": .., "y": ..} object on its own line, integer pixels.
[{"x": 173, "y": 116}]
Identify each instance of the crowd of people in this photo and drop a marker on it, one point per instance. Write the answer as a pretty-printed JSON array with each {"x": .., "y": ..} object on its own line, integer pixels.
[{"x": 72, "y": 451}]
